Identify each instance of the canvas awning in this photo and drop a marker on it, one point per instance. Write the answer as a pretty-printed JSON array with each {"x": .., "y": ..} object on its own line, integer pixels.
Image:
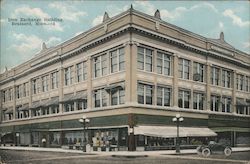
[
  {"x": 24, "y": 107},
  {"x": 51, "y": 102},
  {"x": 36, "y": 104},
  {"x": 114, "y": 87},
  {"x": 171, "y": 131},
  {"x": 240, "y": 102},
  {"x": 8, "y": 111},
  {"x": 80, "y": 96}
]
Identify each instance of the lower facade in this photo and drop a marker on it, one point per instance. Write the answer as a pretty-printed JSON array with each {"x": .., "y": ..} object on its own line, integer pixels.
[{"x": 131, "y": 131}]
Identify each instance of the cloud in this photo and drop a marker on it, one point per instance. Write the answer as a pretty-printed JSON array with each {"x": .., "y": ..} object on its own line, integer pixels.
[
  {"x": 52, "y": 41},
  {"x": 67, "y": 11},
  {"x": 246, "y": 44},
  {"x": 97, "y": 20},
  {"x": 221, "y": 25},
  {"x": 146, "y": 6},
  {"x": 236, "y": 19},
  {"x": 36, "y": 13}
]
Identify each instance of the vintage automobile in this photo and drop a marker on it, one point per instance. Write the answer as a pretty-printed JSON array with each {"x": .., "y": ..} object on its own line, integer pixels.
[{"x": 213, "y": 147}]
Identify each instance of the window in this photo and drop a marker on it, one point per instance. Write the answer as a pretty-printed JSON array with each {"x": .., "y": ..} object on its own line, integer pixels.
[
  {"x": 10, "y": 94},
  {"x": 184, "y": 99},
  {"x": 145, "y": 59},
  {"x": 226, "y": 104},
  {"x": 248, "y": 107},
  {"x": 101, "y": 98},
  {"x": 240, "y": 106},
  {"x": 163, "y": 64},
  {"x": 55, "y": 109},
  {"x": 18, "y": 91},
  {"x": 198, "y": 72},
  {"x": 117, "y": 60},
  {"x": 68, "y": 75},
  {"x": 198, "y": 101},
  {"x": 35, "y": 86},
  {"x": 215, "y": 100},
  {"x": 226, "y": 78},
  {"x": 247, "y": 87},
  {"x": 68, "y": 106},
  {"x": 4, "y": 94},
  {"x": 45, "y": 111},
  {"x": 45, "y": 83},
  {"x": 81, "y": 71},
  {"x": 54, "y": 80},
  {"x": 80, "y": 105},
  {"x": 163, "y": 96},
  {"x": 239, "y": 80},
  {"x": 100, "y": 65},
  {"x": 145, "y": 94},
  {"x": 25, "y": 89},
  {"x": 215, "y": 76},
  {"x": 184, "y": 68},
  {"x": 118, "y": 97}
]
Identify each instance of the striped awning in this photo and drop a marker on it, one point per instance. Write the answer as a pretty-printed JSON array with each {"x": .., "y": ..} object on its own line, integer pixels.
[
  {"x": 9, "y": 110},
  {"x": 240, "y": 102},
  {"x": 114, "y": 87},
  {"x": 36, "y": 104},
  {"x": 171, "y": 131},
  {"x": 24, "y": 107}
]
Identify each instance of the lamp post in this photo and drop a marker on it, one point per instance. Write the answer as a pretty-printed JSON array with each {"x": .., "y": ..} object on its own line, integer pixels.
[
  {"x": 178, "y": 119},
  {"x": 84, "y": 120}
]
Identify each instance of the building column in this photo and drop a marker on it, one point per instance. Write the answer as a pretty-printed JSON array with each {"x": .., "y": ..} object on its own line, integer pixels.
[
  {"x": 191, "y": 77},
  {"x": 155, "y": 77},
  {"x": 131, "y": 76},
  {"x": 131, "y": 136},
  {"x": 234, "y": 87},
  {"x": 60, "y": 87},
  {"x": 89, "y": 84},
  {"x": 14, "y": 102},
  {"x": 208, "y": 87},
  {"x": 175, "y": 81},
  {"x": 1, "y": 109},
  {"x": 30, "y": 97}
]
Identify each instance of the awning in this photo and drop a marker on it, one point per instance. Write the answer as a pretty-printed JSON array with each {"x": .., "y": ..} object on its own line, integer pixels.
[
  {"x": 68, "y": 97},
  {"x": 8, "y": 111},
  {"x": 80, "y": 96},
  {"x": 240, "y": 102},
  {"x": 24, "y": 107},
  {"x": 36, "y": 104},
  {"x": 51, "y": 102},
  {"x": 114, "y": 87},
  {"x": 171, "y": 131}
]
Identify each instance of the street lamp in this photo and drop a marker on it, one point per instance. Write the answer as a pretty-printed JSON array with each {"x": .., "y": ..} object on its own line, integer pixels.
[
  {"x": 84, "y": 120},
  {"x": 178, "y": 119}
]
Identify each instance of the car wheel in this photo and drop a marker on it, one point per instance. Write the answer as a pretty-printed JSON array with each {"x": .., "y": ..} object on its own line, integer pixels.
[
  {"x": 206, "y": 152},
  {"x": 198, "y": 150},
  {"x": 227, "y": 151}
]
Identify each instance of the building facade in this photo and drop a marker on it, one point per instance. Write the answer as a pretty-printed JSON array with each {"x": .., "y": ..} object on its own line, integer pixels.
[{"x": 129, "y": 76}]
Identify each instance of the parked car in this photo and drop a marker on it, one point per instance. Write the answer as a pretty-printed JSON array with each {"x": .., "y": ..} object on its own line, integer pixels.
[{"x": 213, "y": 147}]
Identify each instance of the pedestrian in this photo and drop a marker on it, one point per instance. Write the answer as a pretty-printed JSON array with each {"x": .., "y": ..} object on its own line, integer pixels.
[{"x": 44, "y": 142}]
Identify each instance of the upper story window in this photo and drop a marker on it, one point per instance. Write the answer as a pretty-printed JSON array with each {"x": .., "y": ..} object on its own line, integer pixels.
[
  {"x": 226, "y": 104},
  {"x": 4, "y": 94},
  {"x": 118, "y": 96},
  {"x": 184, "y": 99},
  {"x": 45, "y": 83},
  {"x": 163, "y": 96},
  {"x": 215, "y": 74},
  {"x": 198, "y": 101},
  {"x": 184, "y": 68},
  {"x": 25, "y": 89},
  {"x": 100, "y": 98},
  {"x": 248, "y": 107},
  {"x": 117, "y": 60},
  {"x": 81, "y": 71},
  {"x": 240, "y": 106},
  {"x": 215, "y": 100},
  {"x": 163, "y": 64},
  {"x": 240, "y": 81},
  {"x": 226, "y": 78},
  {"x": 10, "y": 94},
  {"x": 54, "y": 80},
  {"x": 198, "y": 72},
  {"x": 68, "y": 75},
  {"x": 145, "y": 59},
  {"x": 18, "y": 91},
  {"x": 145, "y": 94},
  {"x": 100, "y": 65},
  {"x": 35, "y": 86},
  {"x": 247, "y": 85}
]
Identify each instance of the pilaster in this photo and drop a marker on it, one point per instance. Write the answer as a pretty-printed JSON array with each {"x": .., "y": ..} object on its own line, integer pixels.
[
  {"x": 175, "y": 81},
  {"x": 89, "y": 84},
  {"x": 208, "y": 86}
]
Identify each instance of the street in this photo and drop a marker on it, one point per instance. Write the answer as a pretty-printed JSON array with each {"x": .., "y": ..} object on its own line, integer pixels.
[{"x": 35, "y": 157}]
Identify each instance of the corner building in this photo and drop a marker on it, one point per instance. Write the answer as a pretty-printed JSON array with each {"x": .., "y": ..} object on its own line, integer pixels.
[{"x": 130, "y": 76}]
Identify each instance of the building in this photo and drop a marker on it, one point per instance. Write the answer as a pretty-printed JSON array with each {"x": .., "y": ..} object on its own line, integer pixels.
[{"x": 129, "y": 75}]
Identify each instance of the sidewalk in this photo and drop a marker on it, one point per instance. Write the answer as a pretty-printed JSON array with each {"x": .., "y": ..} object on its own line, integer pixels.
[{"x": 115, "y": 153}]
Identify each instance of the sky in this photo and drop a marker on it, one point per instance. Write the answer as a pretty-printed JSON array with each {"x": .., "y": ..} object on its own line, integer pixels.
[{"x": 20, "y": 43}]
